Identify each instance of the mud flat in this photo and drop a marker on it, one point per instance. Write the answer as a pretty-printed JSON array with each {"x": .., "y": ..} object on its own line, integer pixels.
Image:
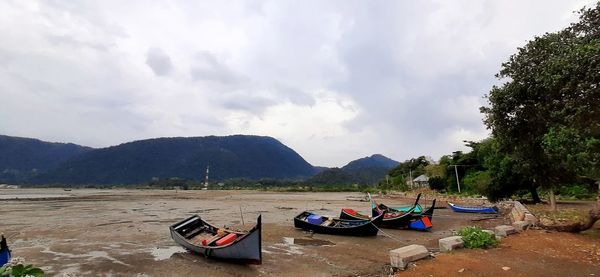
[{"x": 125, "y": 232}]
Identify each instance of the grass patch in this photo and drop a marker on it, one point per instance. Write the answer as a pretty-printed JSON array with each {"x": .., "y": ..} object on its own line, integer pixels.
[{"x": 561, "y": 216}]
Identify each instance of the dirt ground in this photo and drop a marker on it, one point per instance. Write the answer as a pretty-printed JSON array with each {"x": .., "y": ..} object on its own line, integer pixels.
[
  {"x": 532, "y": 253},
  {"x": 88, "y": 232}
]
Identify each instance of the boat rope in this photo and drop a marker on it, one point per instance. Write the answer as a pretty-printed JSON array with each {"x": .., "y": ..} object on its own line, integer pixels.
[{"x": 386, "y": 234}]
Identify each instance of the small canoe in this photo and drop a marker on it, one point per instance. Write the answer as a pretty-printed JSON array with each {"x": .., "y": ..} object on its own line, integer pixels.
[
  {"x": 466, "y": 209},
  {"x": 336, "y": 226},
  {"x": 203, "y": 238},
  {"x": 4, "y": 252}
]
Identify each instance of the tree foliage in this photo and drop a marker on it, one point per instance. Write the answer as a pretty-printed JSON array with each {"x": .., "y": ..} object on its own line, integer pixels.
[{"x": 545, "y": 117}]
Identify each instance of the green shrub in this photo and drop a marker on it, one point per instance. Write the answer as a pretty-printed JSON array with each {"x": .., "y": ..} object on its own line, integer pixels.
[
  {"x": 475, "y": 237},
  {"x": 21, "y": 271},
  {"x": 575, "y": 191}
]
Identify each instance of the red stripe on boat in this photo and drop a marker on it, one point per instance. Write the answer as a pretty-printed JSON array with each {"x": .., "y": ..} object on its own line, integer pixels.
[
  {"x": 426, "y": 222},
  {"x": 349, "y": 211}
]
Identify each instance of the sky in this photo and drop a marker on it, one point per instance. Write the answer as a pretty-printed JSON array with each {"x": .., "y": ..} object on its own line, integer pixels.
[{"x": 333, "y": 80}]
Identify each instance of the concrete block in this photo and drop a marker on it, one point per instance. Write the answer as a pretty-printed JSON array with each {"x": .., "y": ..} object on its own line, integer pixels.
[
  {"x": 520, "y": 225},
  {"x": 400, "y": 257},
  {"x": 504, "y": 230},
  {"x": 451, "y": 243}
]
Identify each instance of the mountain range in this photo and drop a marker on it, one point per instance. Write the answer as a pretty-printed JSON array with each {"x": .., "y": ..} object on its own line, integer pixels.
[
  {"x": 32, "y": 161},
  {"x": 367, "y": 170}
]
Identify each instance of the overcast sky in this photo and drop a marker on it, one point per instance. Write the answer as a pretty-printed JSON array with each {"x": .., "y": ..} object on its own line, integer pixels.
[{"x": 334, "y": 80}]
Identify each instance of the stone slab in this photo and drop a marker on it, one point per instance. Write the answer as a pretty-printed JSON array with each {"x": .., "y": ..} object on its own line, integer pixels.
[
  {"x": 531, "y": 219},
  {"x": 504, "y": 230},
  {"x": 451, "y": 243},
  {"x": 520, "y": 225},
  {"x": 400, "y": 257}
]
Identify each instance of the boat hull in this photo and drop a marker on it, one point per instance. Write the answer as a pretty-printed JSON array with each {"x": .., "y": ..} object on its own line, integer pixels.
[
  {"x": 245, "y": 250},
  {"x": 353, "y": 227},
  {"x": 479, "y": 210}
]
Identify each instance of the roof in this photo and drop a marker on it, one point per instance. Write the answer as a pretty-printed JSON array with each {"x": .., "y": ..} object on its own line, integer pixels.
[{"x": 421, "y": 178}]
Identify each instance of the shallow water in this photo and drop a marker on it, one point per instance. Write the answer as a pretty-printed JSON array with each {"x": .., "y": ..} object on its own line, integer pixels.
[{"x": 160, "y": 254}]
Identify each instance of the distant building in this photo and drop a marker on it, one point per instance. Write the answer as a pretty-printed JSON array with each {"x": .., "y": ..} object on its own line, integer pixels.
[{"x": 421, "y": 181}]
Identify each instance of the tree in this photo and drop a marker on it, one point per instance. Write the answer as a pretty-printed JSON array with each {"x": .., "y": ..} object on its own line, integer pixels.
[{"x": 546, "y": 117}]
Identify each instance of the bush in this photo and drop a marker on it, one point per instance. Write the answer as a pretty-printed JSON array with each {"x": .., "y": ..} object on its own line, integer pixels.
[
  {"x": 475, "y": 237},
  {"x": 20, "y": 270},
  {"x": 575, "y": 191}
]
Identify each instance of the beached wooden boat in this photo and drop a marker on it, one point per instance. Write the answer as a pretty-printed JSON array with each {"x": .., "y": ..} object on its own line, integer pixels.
[
  {"x": 416, "y": 210},
  {"x": 336, "y": 226},
  {"x": 202, "y": 238},
  {"x": 394, "y": 218},
  {"x": 467, "y": 209},
  {"x": 4, "y": 252}
]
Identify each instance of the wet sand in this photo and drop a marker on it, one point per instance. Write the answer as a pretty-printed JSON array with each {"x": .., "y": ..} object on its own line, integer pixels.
[{"x": 125, "y": 232}]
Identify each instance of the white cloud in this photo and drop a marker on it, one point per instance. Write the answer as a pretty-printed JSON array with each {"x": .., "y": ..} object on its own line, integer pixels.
[{"x": 333, "y": 80}]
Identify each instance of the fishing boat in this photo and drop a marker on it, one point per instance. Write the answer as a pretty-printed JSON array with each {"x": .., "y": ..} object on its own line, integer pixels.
[
  {"x": 203, "y": 238},
  {"x": 4, "y": 252},
  {"x": 336, "y": 226},
  {"x": 467, "y": 209},
  {"x": 396, "y": 219}
]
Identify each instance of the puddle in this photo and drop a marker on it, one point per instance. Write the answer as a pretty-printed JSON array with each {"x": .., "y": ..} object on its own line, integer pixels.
[
  {"x": 165, "y": 253},
  {"x": 305, "y": 242}
]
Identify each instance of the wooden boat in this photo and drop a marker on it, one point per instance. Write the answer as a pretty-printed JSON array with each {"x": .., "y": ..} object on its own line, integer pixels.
[
  {"x": 4, "y": 252},
  {"x": 417, "y": 210},
  {"x": 396, "y": 219},
  {"x": 336, "y": 226},
  {"x": 202, "y": 238},
  {"x": 466, "y": 209}
]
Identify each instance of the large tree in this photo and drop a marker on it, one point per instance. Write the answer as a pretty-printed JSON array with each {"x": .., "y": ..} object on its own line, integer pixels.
[{"x": 545, "y": 116}]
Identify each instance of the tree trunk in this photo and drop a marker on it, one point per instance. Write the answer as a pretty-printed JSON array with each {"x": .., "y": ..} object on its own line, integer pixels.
[
  {"x": 552, "y": 199},
  {"x": 535, "y": 195}
]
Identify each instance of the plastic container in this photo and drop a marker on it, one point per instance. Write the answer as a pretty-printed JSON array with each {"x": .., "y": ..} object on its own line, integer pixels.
[
  {"x": 226, "y": 239},
  {"x": 314, "y": 219}
]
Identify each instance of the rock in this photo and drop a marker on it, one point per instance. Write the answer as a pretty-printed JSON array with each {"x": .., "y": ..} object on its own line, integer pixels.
[
  {"x": 489, "y": 232},
  {"x": 461, "y": 270},
  {"x": 505, "y": 268},
  {"x": 520, "y": 225},
  {"x": 400, "y": 257},
  {"x": 451, "y": 243},
  {"x": 504, "y": 230}
]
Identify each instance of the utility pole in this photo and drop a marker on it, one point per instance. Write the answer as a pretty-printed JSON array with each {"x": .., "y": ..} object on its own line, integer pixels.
[
  {"x": 457, "y": 181},
  {"x": 410, "y": 177}
]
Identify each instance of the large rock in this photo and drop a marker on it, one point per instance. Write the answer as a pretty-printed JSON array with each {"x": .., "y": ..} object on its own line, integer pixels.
[
  {"x": 451, "y": 243},
  {"x": 400, "y": 257},
  {"x": 504, "y": 230}
]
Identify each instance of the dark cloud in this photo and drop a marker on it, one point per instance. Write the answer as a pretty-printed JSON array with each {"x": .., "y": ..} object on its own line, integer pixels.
[
  {"x": 159, "y": 61},
  {"x": 207, "y": 67}
]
